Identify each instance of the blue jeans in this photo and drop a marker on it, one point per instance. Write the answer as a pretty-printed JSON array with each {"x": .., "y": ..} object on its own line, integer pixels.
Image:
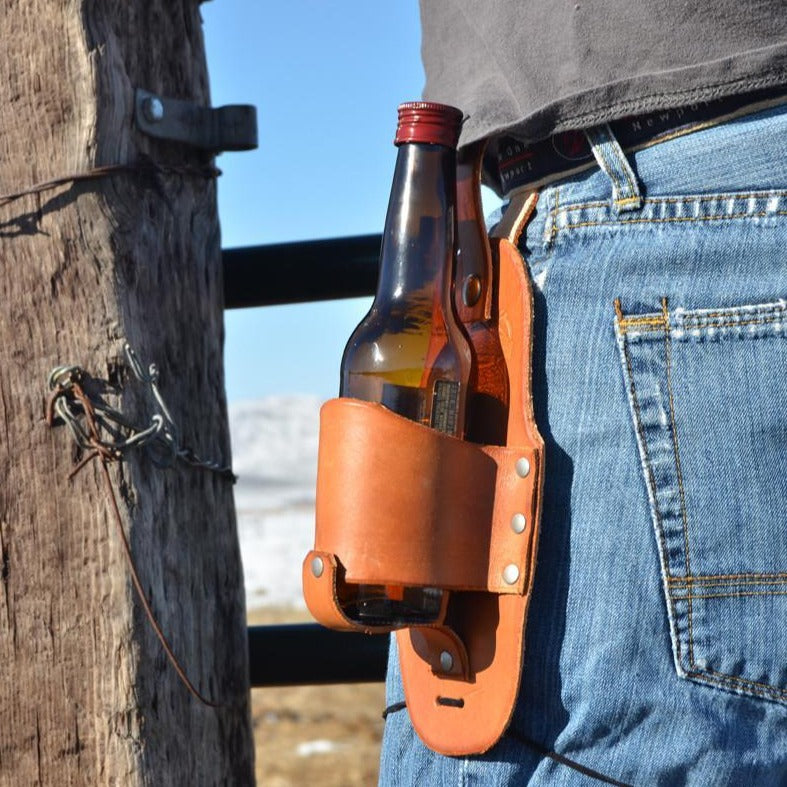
[{"x": 656, "y": 648}]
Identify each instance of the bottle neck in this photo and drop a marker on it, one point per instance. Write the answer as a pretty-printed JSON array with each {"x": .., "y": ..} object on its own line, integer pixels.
[{"x": 418, "y": 239}]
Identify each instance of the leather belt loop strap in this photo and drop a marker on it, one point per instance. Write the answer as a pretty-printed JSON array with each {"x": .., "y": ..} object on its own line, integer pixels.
[
  {"x": 402, "y": 504},
  {"x": 513, "y": 222},
  {"x": 460, "y": 717}
]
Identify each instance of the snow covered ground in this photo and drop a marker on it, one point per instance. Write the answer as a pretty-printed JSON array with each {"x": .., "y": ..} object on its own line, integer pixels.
[{"x": 274, "y": 446}]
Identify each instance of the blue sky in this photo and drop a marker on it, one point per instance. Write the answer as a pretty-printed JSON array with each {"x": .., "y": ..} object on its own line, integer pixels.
[{"x": 326, "y": 77}]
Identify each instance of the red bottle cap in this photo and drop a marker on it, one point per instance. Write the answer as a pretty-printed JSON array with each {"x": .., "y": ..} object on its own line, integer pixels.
[{"x": 425, "y": 121}]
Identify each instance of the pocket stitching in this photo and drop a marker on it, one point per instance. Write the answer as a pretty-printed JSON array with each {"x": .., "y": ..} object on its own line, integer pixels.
[
  {"x": 651, "y": 484},
  {"x": 704, "y": 578},
  {"x": 674, "y": 219},
  {"x": 678, "y": 469},
  {"x": 667, "y": 206},
  {"x": 706, "y": 675},
  {"x": 773, "y": 313},
  {"x": 745, "y": 594},
  {"x": 762, "y": 688}
]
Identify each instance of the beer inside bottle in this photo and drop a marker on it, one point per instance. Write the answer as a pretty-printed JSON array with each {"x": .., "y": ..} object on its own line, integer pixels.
[{"x": 409, "y": 353}]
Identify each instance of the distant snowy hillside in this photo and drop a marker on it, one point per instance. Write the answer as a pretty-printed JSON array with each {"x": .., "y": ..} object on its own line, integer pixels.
[
  {"x": 274, "y": 449},
  {"x": 274, "y": 440}
]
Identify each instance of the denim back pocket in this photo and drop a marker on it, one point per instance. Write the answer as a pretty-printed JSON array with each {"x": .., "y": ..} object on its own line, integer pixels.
[{"x": 708, "y": 396}]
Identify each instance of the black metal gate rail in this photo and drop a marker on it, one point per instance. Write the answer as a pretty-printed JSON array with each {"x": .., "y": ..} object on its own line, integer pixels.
[
  {"x": 302, "y": 653},
  {"x": 316, "y": 270},
  {"x": 313, "y": 270}
]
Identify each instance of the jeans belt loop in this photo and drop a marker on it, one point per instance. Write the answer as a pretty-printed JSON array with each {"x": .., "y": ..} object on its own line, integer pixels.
[{"x": 610, "y": 157}]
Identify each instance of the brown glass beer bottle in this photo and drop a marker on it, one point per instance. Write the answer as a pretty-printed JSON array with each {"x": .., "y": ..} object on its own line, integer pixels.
[{"x": 409, "y": 352}]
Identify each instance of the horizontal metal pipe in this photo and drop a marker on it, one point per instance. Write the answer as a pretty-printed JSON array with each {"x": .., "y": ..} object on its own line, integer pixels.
[
  {"x": 314, "y": 270},
  {"x": 305, "y": 653}
]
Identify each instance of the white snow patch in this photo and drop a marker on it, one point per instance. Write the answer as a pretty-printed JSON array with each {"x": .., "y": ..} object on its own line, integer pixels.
[
  {"x": 274, "y": 447},
  {"x": 319, "y": 746}
]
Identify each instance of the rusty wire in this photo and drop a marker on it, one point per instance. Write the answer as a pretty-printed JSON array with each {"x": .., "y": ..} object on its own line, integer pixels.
[
  {"x": 161, "y": 434},
  {"x": 143, "y": 166},
  {"x": 88, "y": 418}
]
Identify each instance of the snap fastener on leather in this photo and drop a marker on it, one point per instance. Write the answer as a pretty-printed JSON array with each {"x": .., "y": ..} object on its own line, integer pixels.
[
  {"x": 317, "y": 567},
  {"x": 446, "y": 661},
  {"x": 511, "y": 574},
  {"x": 523, "y": 467}
]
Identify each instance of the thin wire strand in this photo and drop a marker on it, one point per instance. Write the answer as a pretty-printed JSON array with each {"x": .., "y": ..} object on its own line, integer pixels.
[
  {"x": 67, "y": 393},
  {"x": 560, "y": 759},
  {"x": 563, "y": 760},
  {"x": 173, "y": 659},
  {"x": 104, "y": 458},
  {"x": 142, "y": 166}
]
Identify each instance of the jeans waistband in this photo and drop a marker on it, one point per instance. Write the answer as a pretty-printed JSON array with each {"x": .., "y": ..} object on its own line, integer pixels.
[{"x": 519, "y": 166}]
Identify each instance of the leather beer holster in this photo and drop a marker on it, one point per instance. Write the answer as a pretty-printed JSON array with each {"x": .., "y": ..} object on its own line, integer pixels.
[{"x": 401, "y": 504}]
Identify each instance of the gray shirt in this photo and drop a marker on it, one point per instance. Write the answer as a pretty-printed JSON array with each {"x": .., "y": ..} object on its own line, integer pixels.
[{"x": 536, "y": 67}]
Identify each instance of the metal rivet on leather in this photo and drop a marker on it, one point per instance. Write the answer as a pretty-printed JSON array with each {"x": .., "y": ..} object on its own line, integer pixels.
[
  {"x": 523, "y": 467},
  {"x": 518, "y": 523},
  {"x": 511, "y": 574},
  {"x": 446, "y": 661},
  {"x": 471, "y": 289},
  {"x": 317, "y": 567}
]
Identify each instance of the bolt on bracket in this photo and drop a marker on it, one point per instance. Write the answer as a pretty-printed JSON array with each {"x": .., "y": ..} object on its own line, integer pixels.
[{"x": 232, "y": 127}]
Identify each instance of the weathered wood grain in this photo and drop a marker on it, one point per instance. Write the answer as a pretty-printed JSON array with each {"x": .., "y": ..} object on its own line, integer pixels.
[{"x": 87, "y": 696}]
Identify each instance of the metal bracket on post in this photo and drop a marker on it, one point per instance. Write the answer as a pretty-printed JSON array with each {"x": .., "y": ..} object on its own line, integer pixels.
[{"x": 233, "y": 127}]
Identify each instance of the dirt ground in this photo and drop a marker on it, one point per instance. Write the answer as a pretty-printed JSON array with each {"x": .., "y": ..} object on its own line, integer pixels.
[{"x": 325, "y": 736}]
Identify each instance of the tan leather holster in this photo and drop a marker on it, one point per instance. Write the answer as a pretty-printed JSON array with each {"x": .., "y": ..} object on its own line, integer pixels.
[{"x": 401, "y": 504}]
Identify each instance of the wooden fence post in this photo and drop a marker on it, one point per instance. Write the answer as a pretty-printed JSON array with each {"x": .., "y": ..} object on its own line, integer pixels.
[{"x": 126, "y": 254}]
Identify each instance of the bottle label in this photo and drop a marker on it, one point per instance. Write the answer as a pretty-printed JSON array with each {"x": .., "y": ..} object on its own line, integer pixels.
[{"x": 445, "y": 406}]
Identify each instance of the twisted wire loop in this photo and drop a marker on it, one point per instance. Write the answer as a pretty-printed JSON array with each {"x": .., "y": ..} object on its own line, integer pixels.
[
  {"x": 87, "y": 417},
  {"x": 161, "y": 435}
]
